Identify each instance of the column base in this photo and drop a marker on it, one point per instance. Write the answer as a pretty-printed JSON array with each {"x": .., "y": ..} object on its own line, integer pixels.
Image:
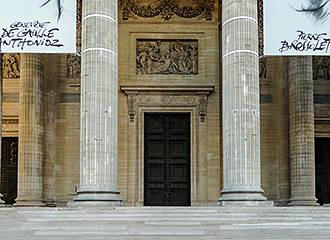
[
  {"x": 29, "y": 203},
  {"x": 303, "y": 201},
  {"x": 244, "y": 199},
  {"x": 96, "y": 199}
]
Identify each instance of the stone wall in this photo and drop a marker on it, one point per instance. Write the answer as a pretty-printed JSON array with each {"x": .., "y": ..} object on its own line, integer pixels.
[{"x": 170, "y": 51}]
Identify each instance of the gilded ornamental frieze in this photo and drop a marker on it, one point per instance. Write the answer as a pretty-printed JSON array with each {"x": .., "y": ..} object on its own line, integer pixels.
[
  {"x": 166, "y": 9},
  {"x": 177, "y": 57}
]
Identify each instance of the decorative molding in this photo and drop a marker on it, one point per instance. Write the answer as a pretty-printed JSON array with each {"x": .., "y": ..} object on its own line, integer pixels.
[
  {"x": 132, "y": 104},
  {"x": 261, "y": 26},
  {"x": 11, "y": 65},
  {"x": 165, "y": 97},
  {"x": 10, "y": 126},
  {"x": 73, "y": 61},
  {"x": 165, "y": 57},
  {"x": 166, "y": 9},
  {"x": 79, "y": 23},
  {"x": 321, "y": 68}
]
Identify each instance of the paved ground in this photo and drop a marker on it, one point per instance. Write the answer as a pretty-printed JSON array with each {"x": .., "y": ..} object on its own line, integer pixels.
[{"x": 158, "y": 223}]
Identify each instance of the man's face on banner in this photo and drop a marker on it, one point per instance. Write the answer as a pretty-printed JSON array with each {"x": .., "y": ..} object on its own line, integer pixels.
[{"x": 317, "y": 9}]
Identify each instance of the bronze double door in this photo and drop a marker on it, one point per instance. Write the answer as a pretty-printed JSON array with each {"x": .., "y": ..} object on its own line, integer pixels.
[
  {"x": 9, "y": 160},
  {"x": 322, "y": 170},
  {"x": 167, "y": 159}
]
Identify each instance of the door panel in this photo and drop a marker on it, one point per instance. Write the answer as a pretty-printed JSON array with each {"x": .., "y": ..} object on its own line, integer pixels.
[
  {"x": 9, "y": 158},
  {"x": 167, "y": 159},
  {"x": 322, "y": 168}
]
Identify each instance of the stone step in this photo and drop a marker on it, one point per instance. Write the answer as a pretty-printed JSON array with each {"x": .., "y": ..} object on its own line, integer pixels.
[{"x": 158, "y": 223}]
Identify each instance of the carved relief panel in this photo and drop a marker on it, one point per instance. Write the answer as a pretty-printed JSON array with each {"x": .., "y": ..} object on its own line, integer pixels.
[
  {"x": 11, "y": 66},
  {"x": 262, "y": 68},
  {"x": 167, "y": 9},
  {"x": 178, "y": 57},
  {"x": 321, "y": 68},
  {"x": 73, "y": 66}
]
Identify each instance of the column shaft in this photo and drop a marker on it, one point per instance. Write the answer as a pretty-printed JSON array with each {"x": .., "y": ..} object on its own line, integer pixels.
[
  {"x": 301, "y": 113},
  {"x": 30, "y": 147},
  {"x": 241, "y": 114},
  {"x": 99, "y": 100},
  {"x": 51, "y": 71},
  {"x": 1, "y": 201}
]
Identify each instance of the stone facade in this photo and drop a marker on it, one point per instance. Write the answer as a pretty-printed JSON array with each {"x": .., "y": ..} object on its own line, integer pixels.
[{"x": 170, "y": 59}]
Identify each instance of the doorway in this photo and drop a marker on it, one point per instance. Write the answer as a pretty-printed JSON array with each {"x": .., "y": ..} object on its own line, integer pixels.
[
  {"x": 322, "y": 170},
  {"x": 167, "y": 159},
  {"x": 9, "y": 160}
]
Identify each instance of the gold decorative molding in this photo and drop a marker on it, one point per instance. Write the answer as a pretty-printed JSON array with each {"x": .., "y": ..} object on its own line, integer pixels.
[
  {"x": 166, "y": 9},
  {"x": 167, "y": 97}
]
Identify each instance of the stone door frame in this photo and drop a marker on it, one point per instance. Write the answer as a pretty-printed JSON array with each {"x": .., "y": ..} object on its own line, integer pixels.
[{"x": 142, "y": 100}]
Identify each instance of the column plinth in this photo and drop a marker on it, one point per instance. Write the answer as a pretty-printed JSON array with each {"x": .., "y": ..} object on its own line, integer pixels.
[
  {"x": 99, "y": 101},
  {"x": 241, "y": 114},
  {"x": 301, "y": 124},
  {"x": 30, "y": 147}
]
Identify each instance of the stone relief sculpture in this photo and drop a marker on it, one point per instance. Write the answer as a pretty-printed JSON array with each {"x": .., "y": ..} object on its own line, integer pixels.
[
  {"x": 73, "y": 66},
  {"x": 262, "y": 68},
  {"x": 166, "y": 9},
  {"x": 11, "y": 66},
  {"x": 321, "y": 68},
  {"x": 166, "y": 57}
]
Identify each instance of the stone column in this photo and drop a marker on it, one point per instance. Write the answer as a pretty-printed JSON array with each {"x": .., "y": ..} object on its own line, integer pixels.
[
  {"x": 301, "y": 124},
  {"x": 241, "y": 114},
  {"x": 99, "y": 100},
  {"x": 1, "y": 201},
  {"x": 50, "y": 87},
  {"x": 31, "y": 130}
]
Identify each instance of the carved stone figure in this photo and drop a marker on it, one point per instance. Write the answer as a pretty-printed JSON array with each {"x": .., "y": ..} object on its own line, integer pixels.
[
  {"x": 321, "y": 68},
  {"x": 11, "y": 66},
  {"x": 262, "y": 68},
  {"x": 166, "y": 9},
  {"x": 73, "y": 66},
  {"x": 167, "y": 57}
]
